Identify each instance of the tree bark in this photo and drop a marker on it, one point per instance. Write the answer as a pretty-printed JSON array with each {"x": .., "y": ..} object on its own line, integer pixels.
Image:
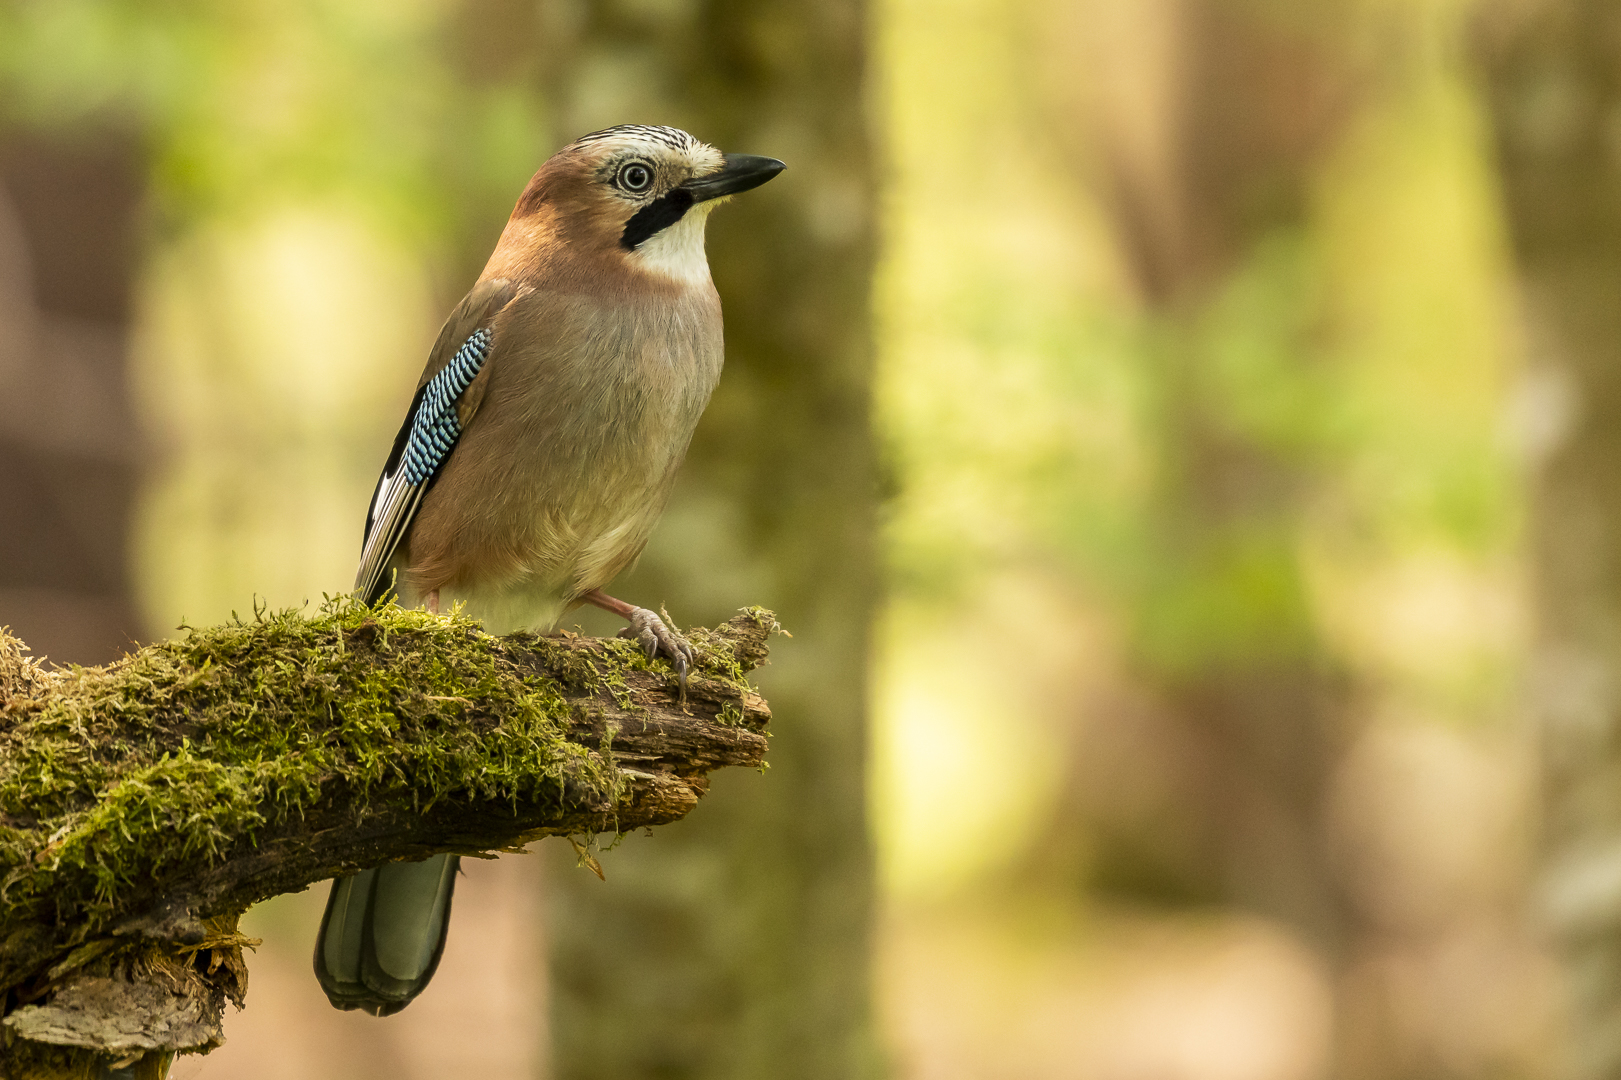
[
  {"x": 144, "y": 806},
  {"x": 1554, "y": 79}
]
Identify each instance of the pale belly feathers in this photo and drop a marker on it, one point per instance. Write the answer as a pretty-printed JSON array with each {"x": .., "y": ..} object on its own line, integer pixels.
[{"x": 562, "y": 475}]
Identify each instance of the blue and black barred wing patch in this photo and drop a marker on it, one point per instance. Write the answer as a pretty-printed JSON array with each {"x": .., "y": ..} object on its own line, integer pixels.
[{"x": 424, "y": 444}]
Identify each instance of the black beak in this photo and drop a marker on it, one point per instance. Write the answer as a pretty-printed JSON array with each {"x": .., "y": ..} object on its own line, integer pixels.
[{"x": 740, "y": 173}]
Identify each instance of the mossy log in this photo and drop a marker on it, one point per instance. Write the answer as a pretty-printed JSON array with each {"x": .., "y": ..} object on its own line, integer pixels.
[{"x": 145, "y": 805}]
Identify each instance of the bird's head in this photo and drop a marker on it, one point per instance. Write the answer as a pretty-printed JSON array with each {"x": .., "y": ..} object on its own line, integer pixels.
[{"x": 633, "y": 195}]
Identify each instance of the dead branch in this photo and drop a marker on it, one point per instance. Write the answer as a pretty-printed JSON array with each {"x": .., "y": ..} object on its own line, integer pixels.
[{"x": 145, "y": 805}]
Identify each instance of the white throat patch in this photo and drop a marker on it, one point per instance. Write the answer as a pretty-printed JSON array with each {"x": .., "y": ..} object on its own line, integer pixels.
[{"x": 677, "y": 252}]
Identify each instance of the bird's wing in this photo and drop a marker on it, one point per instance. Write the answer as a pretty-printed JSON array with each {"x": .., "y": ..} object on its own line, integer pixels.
[{"x": 448, "y": 394}]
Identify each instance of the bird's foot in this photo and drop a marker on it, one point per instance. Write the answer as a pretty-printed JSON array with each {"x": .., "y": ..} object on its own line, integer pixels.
[
  {"x": 649, "y": 631},
  {"x": 655, "y": 636}
]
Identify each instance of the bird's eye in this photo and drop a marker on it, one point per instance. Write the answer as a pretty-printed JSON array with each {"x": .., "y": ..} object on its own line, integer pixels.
[{"x": 635, "y": 178}]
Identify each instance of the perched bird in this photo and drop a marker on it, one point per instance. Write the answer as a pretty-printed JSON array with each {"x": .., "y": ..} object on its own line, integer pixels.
[{"x": 538, "y": 453}]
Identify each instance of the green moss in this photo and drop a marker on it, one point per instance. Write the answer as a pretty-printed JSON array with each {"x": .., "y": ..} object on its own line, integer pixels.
[{"x": 187, "y": 750}]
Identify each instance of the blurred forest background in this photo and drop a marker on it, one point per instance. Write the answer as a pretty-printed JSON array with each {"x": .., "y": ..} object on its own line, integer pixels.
[{"x": 1184, "y": 437}]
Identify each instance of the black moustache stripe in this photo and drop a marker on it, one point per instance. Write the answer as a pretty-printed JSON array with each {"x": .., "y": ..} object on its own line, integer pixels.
[{"x": 661, "y": 213}]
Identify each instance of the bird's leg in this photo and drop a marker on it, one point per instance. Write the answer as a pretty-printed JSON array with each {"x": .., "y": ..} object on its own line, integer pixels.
[
  {"x": 433, "y": 602},
  {"x": 649, "y": 631}
]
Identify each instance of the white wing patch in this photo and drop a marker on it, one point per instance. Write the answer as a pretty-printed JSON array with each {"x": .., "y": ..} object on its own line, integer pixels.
[{"x": 432, "y": 431}]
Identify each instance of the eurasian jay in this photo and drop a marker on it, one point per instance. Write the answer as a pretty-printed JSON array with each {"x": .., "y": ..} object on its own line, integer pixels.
[{"x": 537, "y": 455}]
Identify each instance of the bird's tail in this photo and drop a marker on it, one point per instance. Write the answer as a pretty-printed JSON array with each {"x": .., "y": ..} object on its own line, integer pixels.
[{"x": 383, "y": 933}]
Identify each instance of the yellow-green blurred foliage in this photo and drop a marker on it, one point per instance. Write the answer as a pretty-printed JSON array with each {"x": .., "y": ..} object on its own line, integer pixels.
[
  {"x": 1045, "y": 586},
  {"x": 312, "y": 165},
  {"x": 1023, "y": 383}
]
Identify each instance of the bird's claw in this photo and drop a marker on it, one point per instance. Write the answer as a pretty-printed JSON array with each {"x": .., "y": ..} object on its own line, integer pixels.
[{"x": 654, "y": 635}]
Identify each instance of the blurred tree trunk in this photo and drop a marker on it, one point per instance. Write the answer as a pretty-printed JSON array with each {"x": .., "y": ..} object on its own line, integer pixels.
[
  {"x": 736, "y": 946},
  {"x": 1554, "y": 78},
  {"x": 1257, "y": 698},
  {"x": 1210, "y": 189},
  {"x": 68, "y": 210},
  {"x": 1225, "y": 636}
]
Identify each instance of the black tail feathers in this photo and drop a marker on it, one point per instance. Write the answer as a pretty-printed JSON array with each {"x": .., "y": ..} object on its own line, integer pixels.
[{"x": 383, "y": 934}]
